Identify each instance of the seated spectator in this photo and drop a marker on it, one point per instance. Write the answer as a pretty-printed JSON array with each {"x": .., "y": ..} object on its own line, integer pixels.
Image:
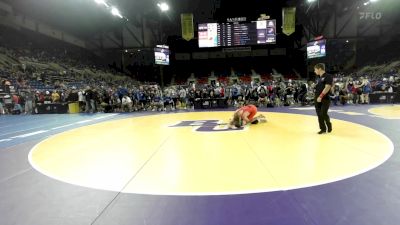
[
  {"x": 47, "y": 97},
  {"x": 366, "y": 90},
  {"x": 17, "y": 109},
  {"x": 55, "y": 97},
  {"x": 73, "y": 96},
  {"x": 343, "y": 95},
  {"x": 157, "y": 103},
  {"x": 126, "y": 103},
  {"x": 262, "y": 95},
  {"x": 334, "y": 95},
  {"x": 2, "y": 112}
]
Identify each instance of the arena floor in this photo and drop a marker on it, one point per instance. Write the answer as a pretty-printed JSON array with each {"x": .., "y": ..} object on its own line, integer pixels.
[{"x": 187, "y": 167}]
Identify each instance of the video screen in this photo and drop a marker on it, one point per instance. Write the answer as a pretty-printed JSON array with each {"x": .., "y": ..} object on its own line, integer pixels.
[
  {"x": 208, "y": 35},
  {"x": 237, "y": 34},
  {"x": 161, "y": 55},
  {"x": 316, "y": 49}
]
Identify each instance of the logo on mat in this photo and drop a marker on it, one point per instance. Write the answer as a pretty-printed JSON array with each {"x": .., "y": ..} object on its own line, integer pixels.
[{"x": 206, "y": 125}]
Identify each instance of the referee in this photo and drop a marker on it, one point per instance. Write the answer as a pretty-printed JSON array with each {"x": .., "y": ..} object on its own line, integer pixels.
[{"x": 322, "y": 100}]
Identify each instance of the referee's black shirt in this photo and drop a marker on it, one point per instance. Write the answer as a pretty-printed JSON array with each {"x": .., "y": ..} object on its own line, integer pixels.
[{"x": 321, "y": 82}]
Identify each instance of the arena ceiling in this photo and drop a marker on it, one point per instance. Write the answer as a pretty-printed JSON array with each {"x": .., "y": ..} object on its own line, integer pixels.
[{"x": 85, "y": 18}]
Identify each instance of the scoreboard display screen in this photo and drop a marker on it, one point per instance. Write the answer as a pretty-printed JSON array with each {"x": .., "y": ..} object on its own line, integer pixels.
[
  {"x": 316, "y": 49},
  {"x": 237, "y": 34},
  {"x": 161, "y": 55}
]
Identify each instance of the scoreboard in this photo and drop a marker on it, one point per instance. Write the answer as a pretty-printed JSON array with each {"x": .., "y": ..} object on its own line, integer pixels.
[
  {"x": 161, "y": 55},
  {"x": 316, "y": 49},
  {"x": 237, "y": 34}
]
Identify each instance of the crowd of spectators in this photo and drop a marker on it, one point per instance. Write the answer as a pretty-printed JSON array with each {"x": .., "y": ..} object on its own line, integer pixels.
[
  {"x": 30, "y": 77},
  {"x": 127, "y": 95}
]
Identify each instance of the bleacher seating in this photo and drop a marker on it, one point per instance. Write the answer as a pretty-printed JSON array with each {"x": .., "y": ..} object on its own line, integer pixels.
[
  {"x": 266, "y": 77},
  {"x": 290, "y": 76},
  {"x": 246, "y": 79},
  {"x": 223, "y": 79},
  {"x": 202, "y": 80}
]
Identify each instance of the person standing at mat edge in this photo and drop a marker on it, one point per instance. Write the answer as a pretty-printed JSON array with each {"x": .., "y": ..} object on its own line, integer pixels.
[{"x": 322, "y": 100}]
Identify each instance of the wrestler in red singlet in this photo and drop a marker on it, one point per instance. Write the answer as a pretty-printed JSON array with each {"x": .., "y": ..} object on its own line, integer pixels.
[{"x": 252, "y": 109}]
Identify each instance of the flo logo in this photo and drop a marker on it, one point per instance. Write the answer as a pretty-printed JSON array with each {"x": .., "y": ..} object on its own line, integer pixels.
[
  {"x": 370, "y": 15},
  {"x": 206, "y": 125}
]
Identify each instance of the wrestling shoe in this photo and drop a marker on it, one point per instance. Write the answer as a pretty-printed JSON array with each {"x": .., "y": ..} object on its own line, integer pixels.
[{"x": 262, "y": 120}]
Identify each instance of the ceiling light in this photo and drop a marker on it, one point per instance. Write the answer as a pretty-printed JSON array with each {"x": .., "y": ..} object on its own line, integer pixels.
[
  {"x": 163, "y": 6},
  {"x": 116, "y": 12},
  {"x": 102, "y": 2}
]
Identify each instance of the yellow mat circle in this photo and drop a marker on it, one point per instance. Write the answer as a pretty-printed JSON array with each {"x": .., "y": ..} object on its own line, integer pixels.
[
  {"x": 150, "y": 155},
  {"x": 387, "y": 112}
]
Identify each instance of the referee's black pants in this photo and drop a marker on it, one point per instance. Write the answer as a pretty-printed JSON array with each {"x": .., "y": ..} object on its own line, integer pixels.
[{"x": 322, "y": 112}]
